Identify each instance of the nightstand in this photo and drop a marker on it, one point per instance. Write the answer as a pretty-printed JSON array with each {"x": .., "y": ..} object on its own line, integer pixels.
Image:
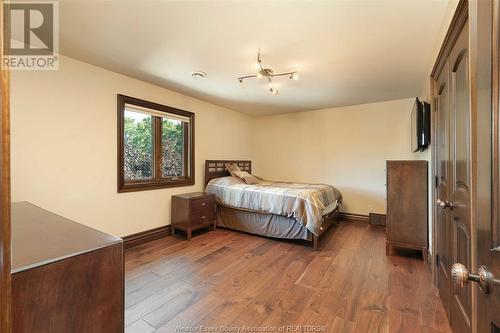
[{"x": 192, "y": 211}]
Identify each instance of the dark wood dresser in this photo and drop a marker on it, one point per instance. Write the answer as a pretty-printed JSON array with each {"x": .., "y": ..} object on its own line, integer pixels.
[
  {"x": 192, "y": 211},
  {"x": 66, "y": 277},
  {"x": 407, "y": 205}
]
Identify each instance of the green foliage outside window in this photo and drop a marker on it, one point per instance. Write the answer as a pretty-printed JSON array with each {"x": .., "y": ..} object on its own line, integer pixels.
[
  {"x": 138, "y": 147},
  {"x": 172, "y": 148}
]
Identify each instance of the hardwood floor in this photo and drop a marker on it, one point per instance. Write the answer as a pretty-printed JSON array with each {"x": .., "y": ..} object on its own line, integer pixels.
[{"x": 231, "y": 279}]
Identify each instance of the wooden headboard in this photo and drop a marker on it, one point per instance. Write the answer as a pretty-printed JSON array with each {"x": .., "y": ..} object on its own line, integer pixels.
[{"x": 216, "y": 168}]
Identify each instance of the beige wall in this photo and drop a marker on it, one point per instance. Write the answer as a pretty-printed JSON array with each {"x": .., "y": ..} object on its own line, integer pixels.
[
  {"x": 346, "y": 147},
  {"x": 64, "y": 145}
]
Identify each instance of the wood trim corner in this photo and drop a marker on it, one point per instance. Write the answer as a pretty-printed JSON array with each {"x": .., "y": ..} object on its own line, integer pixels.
[
  {"x": 142, "y": 237},
  {"x": 358, "y": 218},
  {"x": 5, "y": 229},
  {"x": 458, "y": 21}
]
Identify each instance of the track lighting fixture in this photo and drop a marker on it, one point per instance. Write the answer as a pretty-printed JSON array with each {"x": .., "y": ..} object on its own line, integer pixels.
[{"x": 269, "y": 74}]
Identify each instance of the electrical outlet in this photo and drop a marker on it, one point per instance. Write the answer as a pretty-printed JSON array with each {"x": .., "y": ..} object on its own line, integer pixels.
[{"x": 371, "y": 208}]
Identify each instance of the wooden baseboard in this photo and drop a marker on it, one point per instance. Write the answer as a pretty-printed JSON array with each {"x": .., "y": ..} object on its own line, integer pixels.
[
  {"x": 146, "y": 236},
  {"x": 359, "y": 218}
]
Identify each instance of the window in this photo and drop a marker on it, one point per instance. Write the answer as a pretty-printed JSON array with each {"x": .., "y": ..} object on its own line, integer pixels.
[{"x": 155, "y": 146}]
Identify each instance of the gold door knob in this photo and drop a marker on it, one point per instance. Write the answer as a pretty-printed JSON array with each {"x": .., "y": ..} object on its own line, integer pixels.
[
  {"x": 444, "y": 204},
  {"x": 461, "y": 276},
  {"x": 441, "y": 203}
]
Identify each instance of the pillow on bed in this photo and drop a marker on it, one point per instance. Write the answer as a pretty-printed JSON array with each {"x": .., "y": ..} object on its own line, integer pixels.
[
  {"x": 246, "y": 177},
  {"x": 225, "y": 181},
  {"x": 232, "y": 168}
]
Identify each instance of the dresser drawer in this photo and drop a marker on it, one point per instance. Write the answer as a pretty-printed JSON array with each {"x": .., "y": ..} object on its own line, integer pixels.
[
  {"x": 199, "y": 219},
  {"x": 203, "y": 211},
  {"x": 204, "y": 206}
]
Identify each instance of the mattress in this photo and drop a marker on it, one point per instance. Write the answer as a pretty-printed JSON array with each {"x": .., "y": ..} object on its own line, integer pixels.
[{"x": 306, "y": 203}]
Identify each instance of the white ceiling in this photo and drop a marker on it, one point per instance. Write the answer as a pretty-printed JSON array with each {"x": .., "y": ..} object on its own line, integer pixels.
[{"x": 346, "y": 52}]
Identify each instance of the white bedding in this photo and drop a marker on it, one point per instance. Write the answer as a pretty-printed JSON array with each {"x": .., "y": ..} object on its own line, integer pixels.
[{"x": 307, "y": 203}]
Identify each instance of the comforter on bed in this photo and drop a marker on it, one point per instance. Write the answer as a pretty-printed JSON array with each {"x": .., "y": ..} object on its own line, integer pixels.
[{"x": 307, "y": 203}]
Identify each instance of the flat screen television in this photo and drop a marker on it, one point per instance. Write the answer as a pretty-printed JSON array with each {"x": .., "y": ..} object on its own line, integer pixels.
[{"x": 420, "y": 126}]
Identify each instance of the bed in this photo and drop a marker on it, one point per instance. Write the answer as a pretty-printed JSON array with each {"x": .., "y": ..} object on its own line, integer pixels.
[{"x": 272, "y": 209}]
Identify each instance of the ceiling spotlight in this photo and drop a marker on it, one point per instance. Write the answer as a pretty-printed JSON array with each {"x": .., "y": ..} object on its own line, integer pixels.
[
  {"x": 198, "y": 74},
  {"x": 269, "y": 74}
]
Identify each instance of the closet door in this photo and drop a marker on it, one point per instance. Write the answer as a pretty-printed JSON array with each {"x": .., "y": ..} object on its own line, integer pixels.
[
  {"x": 460, "y": 186},
  {"x": 443, "y": 173}
]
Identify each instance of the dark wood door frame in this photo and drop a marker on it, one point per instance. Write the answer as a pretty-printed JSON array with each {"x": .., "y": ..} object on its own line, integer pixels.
[
  {"x": 5, "y": 210},
  {"x": 5, "y": 275},
  {"x": 485, "y": 33}
]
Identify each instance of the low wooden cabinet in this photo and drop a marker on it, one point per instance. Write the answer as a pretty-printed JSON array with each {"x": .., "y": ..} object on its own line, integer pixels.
[
  {"x": 407, "y": 205},
  {"x": 192, "y": 211},
  {"x": 66, "y": 277}
]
